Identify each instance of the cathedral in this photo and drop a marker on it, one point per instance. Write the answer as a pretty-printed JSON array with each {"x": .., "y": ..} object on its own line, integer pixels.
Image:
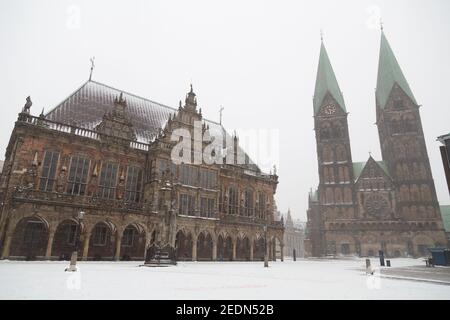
[
  {"x": 360, "y": 208},
  {"x": 95, "y": 175}
]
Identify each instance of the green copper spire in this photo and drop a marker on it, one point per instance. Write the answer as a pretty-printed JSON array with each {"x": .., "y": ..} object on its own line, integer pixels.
[
  {"x": 389, "y": 73},
  {"x": 326, "y": 82}
]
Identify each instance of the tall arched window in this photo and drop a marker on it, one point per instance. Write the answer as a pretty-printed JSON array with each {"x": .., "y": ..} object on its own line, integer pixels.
[
  {"x": 341, "y": 153},
  {"x": 327, "y": 154},
  {"x": 261, "y": 207},
  {"x": 248, "y": 203},
  {"x": 232, "y": 200}
]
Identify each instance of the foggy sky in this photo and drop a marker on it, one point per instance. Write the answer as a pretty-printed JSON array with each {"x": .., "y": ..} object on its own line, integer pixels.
[{"x": 256, "y": 58}]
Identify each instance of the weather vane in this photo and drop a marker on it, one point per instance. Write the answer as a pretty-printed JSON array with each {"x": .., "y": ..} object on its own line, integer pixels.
[
  {"x": 381, "y": 24},
  {"x": 92, "y": 67},
  {"x": 321, "y": 35}
]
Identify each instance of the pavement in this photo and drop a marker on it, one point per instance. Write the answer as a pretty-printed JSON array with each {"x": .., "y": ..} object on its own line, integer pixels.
[{"x": 437, "y": 274}]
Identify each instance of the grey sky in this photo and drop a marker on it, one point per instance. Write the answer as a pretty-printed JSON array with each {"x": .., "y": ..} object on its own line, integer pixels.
[{"x": 256, "y": 58}]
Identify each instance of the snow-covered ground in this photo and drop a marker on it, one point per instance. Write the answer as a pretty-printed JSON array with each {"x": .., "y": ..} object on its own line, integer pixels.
[{"x": 305, "y": 279}]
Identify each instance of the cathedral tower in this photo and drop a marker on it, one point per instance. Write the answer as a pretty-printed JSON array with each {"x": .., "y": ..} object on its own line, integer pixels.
[
  {"x": 336, "y": 191},
  {"x": 402, "y": 140}
]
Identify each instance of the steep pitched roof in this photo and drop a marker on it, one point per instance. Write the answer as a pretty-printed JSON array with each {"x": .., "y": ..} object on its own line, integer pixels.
[
  {"x": 445, "y": 213},
  {"x": 326, "y": 82},
  {"x": 358, "y": 167},
  {"x": 389, "y": 73},
  {"x": 89, "y": 103}
]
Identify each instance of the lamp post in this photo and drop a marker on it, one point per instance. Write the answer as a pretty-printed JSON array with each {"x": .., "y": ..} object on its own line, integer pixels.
[
  {"x": 74, "y": 257},
  {"x": 266, "y": 257}
]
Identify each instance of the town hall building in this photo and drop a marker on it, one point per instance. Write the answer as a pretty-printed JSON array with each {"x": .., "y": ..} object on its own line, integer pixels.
[{"x": 96, "y": 174}]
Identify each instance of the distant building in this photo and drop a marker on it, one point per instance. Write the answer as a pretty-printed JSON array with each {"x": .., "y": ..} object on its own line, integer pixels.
[
  {"x": 294, "y": 235},
  {"x": 445, "y": 212},
  {"x": 445, "y": 154}
]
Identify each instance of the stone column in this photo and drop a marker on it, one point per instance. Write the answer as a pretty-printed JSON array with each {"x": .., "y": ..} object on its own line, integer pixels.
[
  {"x": 48, "y": 251},
  {"x": 118, "y": 245},
  {"x": 214, "y": 250},
  {"x": 87, "y": 237},
  {"x": 234, "y": 249},
  {"x": 251, "y": 250},
  {"x": 6, "y": 246},
  {"x": 194, "y": 249},
  {"x": 269, "y": 248},
  {"x": 274, "y": 250}
]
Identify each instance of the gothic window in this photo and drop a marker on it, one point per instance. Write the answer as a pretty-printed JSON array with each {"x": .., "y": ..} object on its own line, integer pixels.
[
  {"x": 48, "y": 173},
  {"x": 426, "y": 193},
  {"x": 346, "y": 175},
  {"x": 325, "y": 131},
  {"x": 398, "y": 104},
  {"x": 208, "y": 179},
  {"x": 348, "y": 195},
  {"x": 404, "y": 193},
  {"x": 134, "y": 184},
  {"x": 341, "y": 153},
  {"x": 341, "y": 174},
  {"x": 128, "y": 237},
  {"x": 329, "y": 196},
  {"x": 338, "y": 195},
  {"x": 207, "y": 207},
  {"x": 262, "y": 202},
  {"x": 338, "y": 130},
  {"x": 248, "y": 203},
  {"x": 77, "y": 179},
  {"x": 187, "y": 205},
  {"x": 108, "y": 179},
  {"x": 327, "y": 154},
  {"x": 415, "y": 194},
  {"x": 232, "y": 201},
  {"x": 189, "y": 175}
]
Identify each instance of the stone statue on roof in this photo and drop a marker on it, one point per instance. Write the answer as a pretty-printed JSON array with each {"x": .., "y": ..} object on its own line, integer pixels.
[{"x": 27, "y": 106}]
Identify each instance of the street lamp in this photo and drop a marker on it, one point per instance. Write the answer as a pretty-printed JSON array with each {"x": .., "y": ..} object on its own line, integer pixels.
[
  {"x": 266, "y": 257},
  {"x": 74, "y": 257}
]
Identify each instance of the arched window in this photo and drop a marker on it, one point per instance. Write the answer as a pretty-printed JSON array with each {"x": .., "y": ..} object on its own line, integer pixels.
[
  {"x": 338, "y": 195},
  {"x": 232, "y": 200},
  {"x": 341, "y": 153},
  {"x": 327, "y": 154},
  {"x": 325, "y": 131},
  {"x": 348, "y": 195},
  {"x": 248, "y": 203},
  {"x": 261, "y": 206},
  {"x": 329, "y": 196},
  {"x": 426, "y": 192}
]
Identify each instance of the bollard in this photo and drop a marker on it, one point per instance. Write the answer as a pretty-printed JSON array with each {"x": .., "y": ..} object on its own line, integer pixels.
[
  {"x": 295, "y": 257},
  {"x": 388, "y": 263},
  {"x": 368, "y": 267}
]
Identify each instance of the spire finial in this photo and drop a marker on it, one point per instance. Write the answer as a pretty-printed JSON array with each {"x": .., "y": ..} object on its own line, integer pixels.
[
  {"x": 321, "y": 35},
  {"x": 381, "y": 25},
  {"x": 192, "y": 90},
  {"x": 220, "y": 111},
  {"x": 92, "y": 67}
]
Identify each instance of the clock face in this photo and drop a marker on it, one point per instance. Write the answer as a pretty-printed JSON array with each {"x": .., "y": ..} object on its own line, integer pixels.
[{"x": 330, "y": 109}]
